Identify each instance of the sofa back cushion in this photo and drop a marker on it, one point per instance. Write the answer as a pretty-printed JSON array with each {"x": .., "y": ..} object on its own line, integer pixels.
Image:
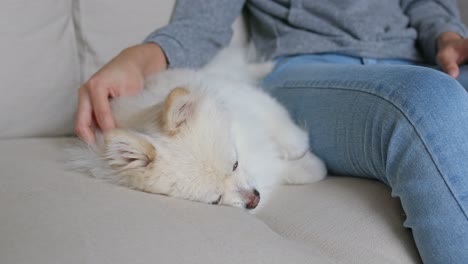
[
  {"x": 49, "y": 47},
  {"x": 38, "y": 67}
]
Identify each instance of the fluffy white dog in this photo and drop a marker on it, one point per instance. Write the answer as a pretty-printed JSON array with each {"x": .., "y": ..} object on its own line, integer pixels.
[{"x": 211, "y": 136}]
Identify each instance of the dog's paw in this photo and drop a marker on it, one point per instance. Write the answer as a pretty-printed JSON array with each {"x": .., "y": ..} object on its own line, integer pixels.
[
  {"x": 306, "y": 170},
  {"x": 292, "y": 146},
  {"x": 291, "y": 153}
]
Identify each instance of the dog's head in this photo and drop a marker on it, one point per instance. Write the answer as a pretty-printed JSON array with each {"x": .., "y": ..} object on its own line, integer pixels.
[{"x": 193, "y": 155}]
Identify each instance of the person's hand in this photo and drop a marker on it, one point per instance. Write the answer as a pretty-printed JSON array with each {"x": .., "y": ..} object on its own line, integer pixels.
[
  {"x": 452, "y": 51},
  {"x": 122, "y": 76}
]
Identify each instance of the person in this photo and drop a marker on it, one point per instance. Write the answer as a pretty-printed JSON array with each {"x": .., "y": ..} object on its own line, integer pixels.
[{"x": 359, "y": 74}]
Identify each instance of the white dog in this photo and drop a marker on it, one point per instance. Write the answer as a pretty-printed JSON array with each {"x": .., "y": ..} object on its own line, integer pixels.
[{"x": 210, "y": 136}]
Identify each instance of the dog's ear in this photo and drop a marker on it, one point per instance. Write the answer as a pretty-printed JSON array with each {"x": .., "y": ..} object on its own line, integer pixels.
[
  {"x": 178, "y": 108},
  {"x": 127, "y": 150}
]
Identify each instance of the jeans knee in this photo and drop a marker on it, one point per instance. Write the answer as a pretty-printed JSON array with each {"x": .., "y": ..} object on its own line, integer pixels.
[{"x": 426, "y": 91}]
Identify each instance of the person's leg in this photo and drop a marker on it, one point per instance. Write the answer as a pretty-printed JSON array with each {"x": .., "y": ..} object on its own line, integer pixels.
[
  {"x": 462, "y": 78},
  {"x": 404, "y": 125}
]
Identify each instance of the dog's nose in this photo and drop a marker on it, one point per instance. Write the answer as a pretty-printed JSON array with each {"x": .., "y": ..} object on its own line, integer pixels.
[{"x": 253, "y": 200}]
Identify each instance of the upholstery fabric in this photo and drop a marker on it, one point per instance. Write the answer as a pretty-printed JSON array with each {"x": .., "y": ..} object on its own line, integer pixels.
[
  {"x": 38, "y": 69},
  {"x": 51, "y": 215}
]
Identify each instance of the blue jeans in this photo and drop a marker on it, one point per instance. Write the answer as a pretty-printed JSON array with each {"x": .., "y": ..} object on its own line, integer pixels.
[{"x": 390, "y": 120}]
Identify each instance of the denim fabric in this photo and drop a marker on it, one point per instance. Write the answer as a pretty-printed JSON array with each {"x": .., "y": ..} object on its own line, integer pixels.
[{"x": 403, "y": 124}]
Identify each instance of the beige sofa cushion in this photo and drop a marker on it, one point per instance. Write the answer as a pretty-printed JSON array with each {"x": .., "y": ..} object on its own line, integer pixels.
[
  {"x": 352, "y": 220},
  {"x": 38, "y": 68},
  {"x": 50, "y": 47},
  {"x": 50, "y": 215},
  {"x": 108, "y": 26}
]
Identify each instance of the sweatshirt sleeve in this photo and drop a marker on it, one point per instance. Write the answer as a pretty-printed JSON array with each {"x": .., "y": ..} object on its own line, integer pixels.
[
  {"x": 432, "y": 18},
  {"x": 197, "y": 30}
]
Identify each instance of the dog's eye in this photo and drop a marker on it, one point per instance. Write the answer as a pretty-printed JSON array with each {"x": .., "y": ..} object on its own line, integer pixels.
[
  {"x": 235, "y": 166},
  {"x": 217, "y": 201}
]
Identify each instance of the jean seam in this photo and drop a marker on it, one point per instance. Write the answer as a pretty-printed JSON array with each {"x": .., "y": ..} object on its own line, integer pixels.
[{"x": 333, "y": 85}]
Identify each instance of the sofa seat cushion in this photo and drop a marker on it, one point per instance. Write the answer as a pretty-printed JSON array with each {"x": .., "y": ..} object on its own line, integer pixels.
[{"x": 51, "y": 215}]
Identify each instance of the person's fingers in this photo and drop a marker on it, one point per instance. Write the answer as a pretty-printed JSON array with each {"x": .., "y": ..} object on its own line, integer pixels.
[
  {"x": 84, "y": 127},
  {"x": 448, "y": 59},
  {"x": 101, "y": 108},
  {"x": 452, "y": 70}
]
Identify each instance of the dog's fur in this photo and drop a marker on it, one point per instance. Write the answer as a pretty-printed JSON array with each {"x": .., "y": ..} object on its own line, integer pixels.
[{"x": 210, "y": 136}]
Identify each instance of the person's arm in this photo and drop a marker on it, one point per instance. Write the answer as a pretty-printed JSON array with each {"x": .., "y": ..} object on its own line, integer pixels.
[
  {"x": 198, "y": 29},
  {"x": 432, "y": 18}
]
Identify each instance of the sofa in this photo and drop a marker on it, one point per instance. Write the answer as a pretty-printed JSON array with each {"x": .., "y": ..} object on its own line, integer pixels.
[{"x": 49, "y": 214}]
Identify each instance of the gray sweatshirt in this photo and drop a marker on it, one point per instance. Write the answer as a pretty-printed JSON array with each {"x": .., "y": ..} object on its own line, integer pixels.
[{"x": 403, "y": 29}]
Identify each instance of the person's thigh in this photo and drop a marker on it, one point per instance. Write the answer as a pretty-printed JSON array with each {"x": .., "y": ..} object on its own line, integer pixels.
[
  {"x": 404, "y": 125},
  {"x": 462, "y": 78},
  {"x": 342, "y": 104}
]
